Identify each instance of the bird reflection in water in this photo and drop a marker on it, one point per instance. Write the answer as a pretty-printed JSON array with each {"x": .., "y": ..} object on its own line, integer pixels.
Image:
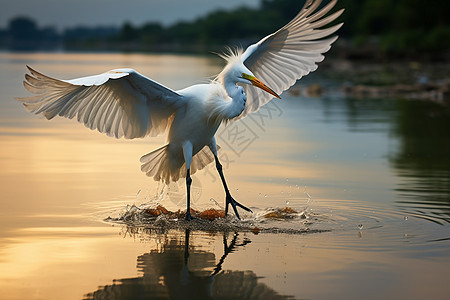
[{"x": 179, "y": 271}]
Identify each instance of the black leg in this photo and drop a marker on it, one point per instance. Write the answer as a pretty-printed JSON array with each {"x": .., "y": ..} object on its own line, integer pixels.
[
  {"x": 229, "y": 199},
  {"x": 188, "y": 192}
]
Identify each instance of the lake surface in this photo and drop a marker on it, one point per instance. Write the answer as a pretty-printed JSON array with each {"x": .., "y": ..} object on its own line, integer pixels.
[{"x": 372, "y": 175}]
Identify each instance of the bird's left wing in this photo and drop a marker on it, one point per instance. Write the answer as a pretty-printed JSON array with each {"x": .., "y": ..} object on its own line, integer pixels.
[
  {"x": 293, "y": 51},
  {"x": 119, "y": 102}
]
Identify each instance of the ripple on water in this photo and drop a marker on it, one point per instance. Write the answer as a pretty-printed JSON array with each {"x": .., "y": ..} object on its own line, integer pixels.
[
  {"x": 349, "y": 223},
  {"x": 375, "y": 227}
]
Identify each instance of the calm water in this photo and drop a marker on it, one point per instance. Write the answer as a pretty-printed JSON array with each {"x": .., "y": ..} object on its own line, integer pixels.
[{"x": 375, "y": 174}]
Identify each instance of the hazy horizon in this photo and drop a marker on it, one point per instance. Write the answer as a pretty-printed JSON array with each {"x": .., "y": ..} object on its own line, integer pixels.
[{"x": 67, "y": 14}]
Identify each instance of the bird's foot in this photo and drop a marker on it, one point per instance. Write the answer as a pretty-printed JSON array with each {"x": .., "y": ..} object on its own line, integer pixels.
[{"x": 235, "y": 204}]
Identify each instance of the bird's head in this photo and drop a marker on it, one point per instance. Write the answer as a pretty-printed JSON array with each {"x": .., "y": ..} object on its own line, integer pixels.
[
  {"x": 236, "y": 72},
  {"x": 251, "y": 79}
]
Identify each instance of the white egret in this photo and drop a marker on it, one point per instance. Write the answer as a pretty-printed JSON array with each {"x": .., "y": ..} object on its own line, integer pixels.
[{"x": 124, "y": 103}]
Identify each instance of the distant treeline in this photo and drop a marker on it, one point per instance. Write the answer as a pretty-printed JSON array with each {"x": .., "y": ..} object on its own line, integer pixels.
[{"x": 373, "y": 29}]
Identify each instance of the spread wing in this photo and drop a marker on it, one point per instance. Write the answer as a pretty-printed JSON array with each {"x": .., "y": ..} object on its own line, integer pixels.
[
  {"x": 120, "y": 102},
  {"x": 293, "y": 51}
]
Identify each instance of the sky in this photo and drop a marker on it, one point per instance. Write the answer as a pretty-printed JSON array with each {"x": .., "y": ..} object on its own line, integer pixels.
[{"x": 70, "y": 13}]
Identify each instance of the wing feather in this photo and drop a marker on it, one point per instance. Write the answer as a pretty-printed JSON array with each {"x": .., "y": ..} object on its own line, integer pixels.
[
  {"x": 281, "y": 58},
  {"x": 120, "y": 102}
]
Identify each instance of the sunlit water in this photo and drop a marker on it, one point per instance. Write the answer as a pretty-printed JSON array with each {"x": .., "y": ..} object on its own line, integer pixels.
[{"x": 369, "y": 178}]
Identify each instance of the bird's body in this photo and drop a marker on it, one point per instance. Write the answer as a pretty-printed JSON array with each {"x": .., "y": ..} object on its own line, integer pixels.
[
  {"x": 198, "y": 122},
  {"x": 194, "y": 124},
  {"x": 124, "y": 103},
  {"x": 207, "y": 106}
]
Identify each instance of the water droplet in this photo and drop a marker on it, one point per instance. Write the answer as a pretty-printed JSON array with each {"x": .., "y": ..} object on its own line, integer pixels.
[
  {"x": 237, "y": 190},
  {"x": 287, "y": 202},
  {"x": 405, "y": 218},
  {"x": 360, "y": 226},
  {"x": 265, "y": 195}
]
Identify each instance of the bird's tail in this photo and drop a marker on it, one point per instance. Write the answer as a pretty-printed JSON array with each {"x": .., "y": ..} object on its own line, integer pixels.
[{"x": 163, "y": 166}]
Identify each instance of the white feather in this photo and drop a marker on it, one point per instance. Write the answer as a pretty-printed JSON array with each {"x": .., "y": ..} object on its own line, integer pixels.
[
  {"x": 119, "y": 103},
  {"x": 281, "y": 58}
]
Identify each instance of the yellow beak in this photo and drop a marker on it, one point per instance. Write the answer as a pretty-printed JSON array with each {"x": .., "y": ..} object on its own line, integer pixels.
[{"x": 256, "y": 82}]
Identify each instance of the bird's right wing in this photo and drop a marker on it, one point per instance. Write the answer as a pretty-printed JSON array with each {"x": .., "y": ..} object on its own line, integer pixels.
[
  {"x": 119, "y": 102},
  {"x": 293, "y": 51}
]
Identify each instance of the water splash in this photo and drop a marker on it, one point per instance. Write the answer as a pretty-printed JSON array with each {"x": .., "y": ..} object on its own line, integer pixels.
[
  {"x": 137, "y": 197},
  {"x": 298, "y": 218},
  {"x": 157, "y": 217},
  {"x": 309, "y": 198},
  {"x": 216, "y": 203}
]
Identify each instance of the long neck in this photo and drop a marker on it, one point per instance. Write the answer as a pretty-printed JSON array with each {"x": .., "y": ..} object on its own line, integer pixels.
[
  {"x": 222, "y": 108},
  {"x": 228, "y": 83}
]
